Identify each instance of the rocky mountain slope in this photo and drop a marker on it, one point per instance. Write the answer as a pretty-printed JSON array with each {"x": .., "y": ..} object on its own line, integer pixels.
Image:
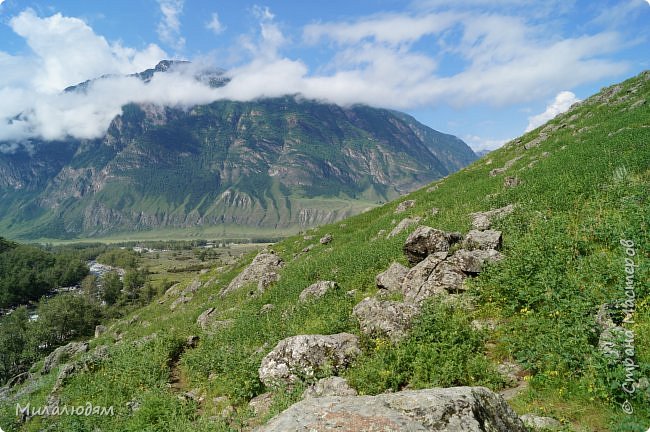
[
  {"x": 267, "y": 165},
  {"x": 510, "y": 293}
]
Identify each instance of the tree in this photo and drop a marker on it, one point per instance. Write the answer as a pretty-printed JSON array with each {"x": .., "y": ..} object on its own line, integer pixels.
[
  {"x": 28, "y": 272},
  {"x": 64, "y": 317},
  {"x": 134, "y": 280},
  {"x": 13, "y": 341},
  {"x": 90, "y": 287},
  {"x": 201, "y": 254},
  {"x": 148, "y": 292},
  {"x": 111, "y": 288}
]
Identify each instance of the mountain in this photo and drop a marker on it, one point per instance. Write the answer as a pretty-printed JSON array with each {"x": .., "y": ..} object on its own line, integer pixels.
[
  {"x": 556, "y": 321},
  {"x": 273, "y": 164}
]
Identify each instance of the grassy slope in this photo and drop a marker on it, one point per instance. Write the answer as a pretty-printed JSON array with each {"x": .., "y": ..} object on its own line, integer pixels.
[{"x": 563, "y": 261}]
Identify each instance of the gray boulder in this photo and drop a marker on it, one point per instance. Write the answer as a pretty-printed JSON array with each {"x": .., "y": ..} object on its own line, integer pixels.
[
  {"x": 603, "y": 318},
  {"x": 489, "y": 239},
  {"x": 426, "y": 240},
  {"x": 536, "y": 141},
  {"x": 173, "y": 290},
  {"x": 316, "y": 290},
  {"x": 304, "y": 356},
  {"x": 389, "y": 319},
  {"x": 330, "y": 386},
  {"x": 438, "y": 274},
  {"x": 472, "y": 262},
  {"x": 100, "y": 330},
  {"x": 261, "y": 404},
  {"x": 326, "y": 239},
  {"x": 267, "y": 280},
  {"x": 446, "y": 276},
  {"x": 66, "y": 372},
  {"x": 262, "y": 264},
  {"x": 404, "y": 205},
  {"x": 403, "y": 225},
  {"x": 392, "y": 278},
  {"x": 206, "y": 317},
  {"x": 612, "y": 341},
  {"x": 511, "y": 372},
  {"x": 16, "y": 380},
  {"x": 483, "y": 220},
  {"x": 511, "y": 162},
  {"x": 538, "y": 423},
  {"x": 179, "y": 301},
  {"x": 510, "y": 182},
  {"x": 63, "y": 353},
  {"x": 191, "y": 288},
  {"x": 455, "y": 409},
  {"x": 414, "y": 285}
]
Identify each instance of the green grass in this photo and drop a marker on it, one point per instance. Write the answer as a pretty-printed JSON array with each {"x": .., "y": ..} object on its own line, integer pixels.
[{"x": 563, "y": 260}]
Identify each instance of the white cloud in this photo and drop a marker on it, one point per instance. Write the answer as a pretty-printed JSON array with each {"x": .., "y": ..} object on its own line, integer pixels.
[
  {"x": 271, "y": 38},
  {"x": 505, "y": 60},
  {"x": 169, "y": 27},
  {"x": 388, "y": 28},
  {"x": 64, "y": 51},
  {"x": 215, "y": 25},
  {"x": 478, "y": 143},
  {"x": 67, "y": 51},
  {"x": 560, "y": 104}
]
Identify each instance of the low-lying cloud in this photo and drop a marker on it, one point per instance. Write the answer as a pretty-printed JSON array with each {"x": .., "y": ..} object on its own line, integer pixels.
[
  {"x": 560, "y": 104},
  {"x": 506, "y": 61}
]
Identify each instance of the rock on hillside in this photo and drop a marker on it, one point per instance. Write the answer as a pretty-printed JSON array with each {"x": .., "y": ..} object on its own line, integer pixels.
[
  {"x": 389, "y": 319},
  {"x": 456, "y": 409},
  {"x": 261, "y": 271},
  {"x": 305, "y": 355},
  {"x": 425, "y": 241}
]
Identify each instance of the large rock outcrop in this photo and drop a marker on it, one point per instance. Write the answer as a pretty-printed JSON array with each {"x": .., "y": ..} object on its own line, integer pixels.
[
  {"x": 388, "y": 319},
  {"x": 62, "y": 354},
  {"x": 438, "y": 269},
  {"x": 426, "y": 240},
  {"x": 488, "y": 239},
  {"x": 437, "y": 274},
  {"x": 304, "y": 356},
  {"x": 263, "y": 268},
  {"x": 473, "y": 261},
  {"x": 391, "y": 279},
  {"x": 456, "y": 409}
]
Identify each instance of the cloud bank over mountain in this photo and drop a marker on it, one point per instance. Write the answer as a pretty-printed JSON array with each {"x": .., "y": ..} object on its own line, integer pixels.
[{"x": 503, "y": 60}]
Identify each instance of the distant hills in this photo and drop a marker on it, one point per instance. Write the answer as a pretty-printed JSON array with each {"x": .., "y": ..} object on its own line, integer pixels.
[{"x": 247, "y": 167}]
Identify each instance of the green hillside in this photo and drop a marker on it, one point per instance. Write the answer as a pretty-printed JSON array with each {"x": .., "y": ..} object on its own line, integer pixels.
[{"x": 579, "y": 186}]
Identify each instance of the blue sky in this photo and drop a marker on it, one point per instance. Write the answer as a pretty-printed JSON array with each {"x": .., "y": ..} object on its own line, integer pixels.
[{"x": 483, "y": 70}]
